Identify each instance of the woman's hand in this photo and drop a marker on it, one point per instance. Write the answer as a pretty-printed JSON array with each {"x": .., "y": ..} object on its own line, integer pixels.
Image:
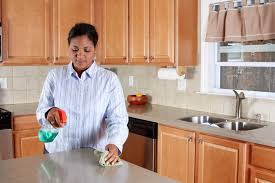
[
  {"x": 112, "y": 157},
  {"x": 53, "y": 118}
]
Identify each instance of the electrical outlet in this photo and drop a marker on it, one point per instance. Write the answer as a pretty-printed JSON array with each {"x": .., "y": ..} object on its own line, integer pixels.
[
  {"x": 181, "y": 84},
  {"x": 3, "y": 83},
  {"x": 131, "y": 80}
]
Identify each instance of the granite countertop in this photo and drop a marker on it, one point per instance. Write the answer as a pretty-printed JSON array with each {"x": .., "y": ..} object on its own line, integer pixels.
[
  {"x": 169, "y": 116},
  {"x": 73, "y": 166}
]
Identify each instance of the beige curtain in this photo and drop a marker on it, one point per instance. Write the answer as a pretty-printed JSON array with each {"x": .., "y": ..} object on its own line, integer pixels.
[
  {"x": 267, "y": 19},
  {"x": 233, "y": 26},
  {"x": 251, "y": 23},
  {"x": 215, "y": 28},
  {"x": 247, "y": 23}
]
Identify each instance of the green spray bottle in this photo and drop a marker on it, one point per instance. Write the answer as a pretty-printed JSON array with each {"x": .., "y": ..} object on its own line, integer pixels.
[{"x": 48, "y": 133}]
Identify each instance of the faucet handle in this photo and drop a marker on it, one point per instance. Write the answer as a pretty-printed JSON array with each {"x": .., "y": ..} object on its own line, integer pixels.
[
  {"x": 258, "y": 117},
  {"x": 241, "y": 95}
]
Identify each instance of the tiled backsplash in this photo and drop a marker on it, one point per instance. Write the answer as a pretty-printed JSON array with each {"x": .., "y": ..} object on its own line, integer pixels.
[
  {"x": 25, "y": 84},
  {"x": 165, "y": 92}
]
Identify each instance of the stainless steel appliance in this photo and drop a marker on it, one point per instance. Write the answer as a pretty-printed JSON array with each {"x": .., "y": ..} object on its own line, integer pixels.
[
  {"x": 141, "y": 145},
  {"x": 6, "y": 150}
]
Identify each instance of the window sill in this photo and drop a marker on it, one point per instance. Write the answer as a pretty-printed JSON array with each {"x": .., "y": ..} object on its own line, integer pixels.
[{"x": 248, "y": 94}]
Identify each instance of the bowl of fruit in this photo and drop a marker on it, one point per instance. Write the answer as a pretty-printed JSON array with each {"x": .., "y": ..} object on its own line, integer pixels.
[{"x": 137, "y": 99}]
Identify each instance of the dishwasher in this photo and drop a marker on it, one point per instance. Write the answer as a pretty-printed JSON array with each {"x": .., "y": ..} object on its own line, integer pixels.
[
  {"x": 6, "y": 148},
  {"x": 141, "y": 146}
]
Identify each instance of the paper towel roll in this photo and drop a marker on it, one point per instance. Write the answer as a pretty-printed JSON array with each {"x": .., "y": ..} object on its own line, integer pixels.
[{"x": 169, "y": 74}]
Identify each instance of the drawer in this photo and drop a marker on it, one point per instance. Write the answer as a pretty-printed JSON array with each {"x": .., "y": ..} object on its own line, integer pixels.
[
  {"x": 261, "y": 176},
  {"x": 25, "y": 123},
  {"x": 263, "y": 157}
]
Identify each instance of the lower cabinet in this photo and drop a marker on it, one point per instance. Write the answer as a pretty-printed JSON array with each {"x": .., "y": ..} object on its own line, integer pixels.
[
  {"x": 189, "y": 158},
  {"x": 261, "y": 176},
  {"x": 176, "y": 154},
  {"x": 262, "y": 164},
  {"x": 26, "y": 142},
  {"x": 220, "y": 160}
]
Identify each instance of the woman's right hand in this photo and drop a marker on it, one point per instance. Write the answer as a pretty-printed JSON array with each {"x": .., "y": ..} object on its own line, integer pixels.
[{"x": 53, "y": 118}]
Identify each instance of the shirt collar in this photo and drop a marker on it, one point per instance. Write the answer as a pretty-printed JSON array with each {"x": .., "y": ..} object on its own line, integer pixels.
[{"x": 89, "y": 72}]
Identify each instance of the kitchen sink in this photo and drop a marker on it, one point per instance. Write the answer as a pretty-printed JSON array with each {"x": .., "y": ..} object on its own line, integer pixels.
[
  {"x": 208, "y": 120},
  {"x": 222, "y": 123},
  {"x": 239, "y": 126}
]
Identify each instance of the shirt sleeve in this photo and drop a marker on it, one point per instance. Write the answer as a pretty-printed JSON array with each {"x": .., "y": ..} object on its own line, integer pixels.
[
  {"x": 117, "y": 116},
  {"x": 46, "y": 101}
]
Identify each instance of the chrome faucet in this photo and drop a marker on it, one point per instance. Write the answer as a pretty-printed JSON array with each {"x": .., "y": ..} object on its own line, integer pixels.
[{"x": 239, "y": 97}]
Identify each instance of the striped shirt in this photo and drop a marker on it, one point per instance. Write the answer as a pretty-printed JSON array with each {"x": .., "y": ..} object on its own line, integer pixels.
[{"x": 94, "y": 104}]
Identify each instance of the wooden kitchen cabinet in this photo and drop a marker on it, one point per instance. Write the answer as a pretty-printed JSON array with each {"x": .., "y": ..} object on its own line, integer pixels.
[
  {"x": 35, "y": 31},
  {"x": 111, "y": 20},
  {"x": 26, "y": 32},
  {"x": 66, "y": 14},
  {"x": 176, "y": 154},
  {"x": 186, "y": 32},
  {"x": 139, "y": 31},
  {"x": 220, "y": 160},
  {"x": 261, "y": 176},
  {"x": 216, "y": 159},
  {"x": 263, "y": 164},
  {"x": 26, "y": 142},
  {"x": 151, "y": 35},
  {"x": 162, "y": 28},
  {"x": 151, "y": 30}
]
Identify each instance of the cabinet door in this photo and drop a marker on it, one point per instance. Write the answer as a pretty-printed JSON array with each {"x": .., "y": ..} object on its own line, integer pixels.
[
  {"x": 176, "y": 154},
  {"x": 26, "y": 32},
  {"x": 139, "y": 31},
  {"x": 66, "y": 14},
  {"x": 186, "y": 32},
  {"x": 162, "y": 31},
  {"x": 112, "y": 24},
  {"x": 261, "y": 176},
  {"x": 26, "y": 143},
  {"x": 220, "y": 160}
]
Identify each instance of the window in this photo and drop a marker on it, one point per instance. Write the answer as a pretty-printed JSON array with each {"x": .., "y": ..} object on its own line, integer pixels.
[{"x": 249, "y": 67}]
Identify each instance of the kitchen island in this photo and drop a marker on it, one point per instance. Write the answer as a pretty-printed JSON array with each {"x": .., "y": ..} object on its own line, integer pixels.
[{"x": 75, "y": 166}]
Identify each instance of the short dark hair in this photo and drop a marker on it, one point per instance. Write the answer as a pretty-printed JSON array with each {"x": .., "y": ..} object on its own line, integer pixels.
[{"x": 81, "y": 29}]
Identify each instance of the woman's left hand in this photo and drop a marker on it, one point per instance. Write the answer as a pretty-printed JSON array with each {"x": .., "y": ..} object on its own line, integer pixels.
[{"x": 112, "y": 157}]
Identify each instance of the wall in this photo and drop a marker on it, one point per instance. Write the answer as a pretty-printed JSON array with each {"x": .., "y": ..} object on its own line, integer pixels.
[
  {"x": 24, "y": 83},
  {"x": 165, "y": 92}
]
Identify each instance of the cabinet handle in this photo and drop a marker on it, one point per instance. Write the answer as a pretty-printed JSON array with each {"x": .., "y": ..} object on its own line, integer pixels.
[
  {"x": 151, "y": 57},
  {"x": 56, "y": 58},
  {"x": 190, "y": 139},
  {"x": 145, "y": 58},
  {"x": 200, "y": 141},
  {"x": 124, "y": 58}
]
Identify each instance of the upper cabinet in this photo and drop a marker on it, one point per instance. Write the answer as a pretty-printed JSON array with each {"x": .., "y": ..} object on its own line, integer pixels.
[
  {"x": 138, "y": 31},
  {"x": 186, "y": 32},
  {"x": 111, "y": 19},
  {"x": 26, "y": 31},
  {"x": 35, "y": 31},
  {"x": 151, "y": 30},
  {"x": 66, "y": 14},
  {"x": 162, "y": 28}
]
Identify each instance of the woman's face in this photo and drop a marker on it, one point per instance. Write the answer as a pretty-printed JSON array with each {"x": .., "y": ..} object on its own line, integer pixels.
[{"x": 81, "y": 52}]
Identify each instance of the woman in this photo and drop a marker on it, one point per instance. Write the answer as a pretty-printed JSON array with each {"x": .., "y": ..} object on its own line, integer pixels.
[{"x": 91, "y": 96}]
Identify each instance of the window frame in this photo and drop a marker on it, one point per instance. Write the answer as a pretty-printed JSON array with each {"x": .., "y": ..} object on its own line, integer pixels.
[{"x": 210, "y": 73}]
